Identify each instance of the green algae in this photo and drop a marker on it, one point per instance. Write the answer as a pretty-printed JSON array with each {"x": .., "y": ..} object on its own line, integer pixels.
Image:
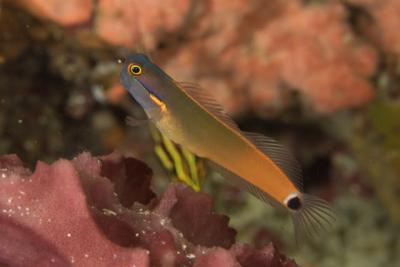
[{"x": 376, "y": 146}]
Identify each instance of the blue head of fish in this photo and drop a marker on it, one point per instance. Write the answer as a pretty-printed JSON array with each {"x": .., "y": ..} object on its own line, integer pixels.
[{"x": 143, "y": 78}]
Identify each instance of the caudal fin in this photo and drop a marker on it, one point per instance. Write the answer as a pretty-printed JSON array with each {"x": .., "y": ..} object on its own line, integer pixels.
[{"x": 314, "y": 217}]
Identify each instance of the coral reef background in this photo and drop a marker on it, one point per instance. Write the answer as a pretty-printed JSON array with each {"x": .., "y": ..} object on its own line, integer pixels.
[{"x": 321, "y": 76}]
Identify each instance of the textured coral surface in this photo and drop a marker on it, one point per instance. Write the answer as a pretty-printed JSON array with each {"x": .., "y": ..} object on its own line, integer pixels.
[
  {"x": 66, "y": 13},
  {"x": 100, "y": 211},
  {"x": 253, "y": 56},
  {"x": 383, "y": 22}
]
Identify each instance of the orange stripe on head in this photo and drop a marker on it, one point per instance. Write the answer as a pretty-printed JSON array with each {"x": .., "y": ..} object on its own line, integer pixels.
[{"x": 158, "y": 102}]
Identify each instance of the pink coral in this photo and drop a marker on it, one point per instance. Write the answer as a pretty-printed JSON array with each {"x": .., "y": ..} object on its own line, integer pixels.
[
  {"x": 66, "y": 13},
  {"x": 329, "y": 67},
  {"x": 101, "y": 212},
  {"x": 132, "y": 22},
  {"x": 310, "y": 49},
  {"x": 385, "y": 24},
  {"x": 253, "y": 55}
]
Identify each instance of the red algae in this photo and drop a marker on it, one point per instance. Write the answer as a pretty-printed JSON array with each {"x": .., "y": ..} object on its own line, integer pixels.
[{"x": 101, "y": 211}]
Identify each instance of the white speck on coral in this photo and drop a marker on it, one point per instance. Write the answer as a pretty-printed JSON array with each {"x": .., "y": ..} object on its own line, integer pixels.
[
  {"x": 49, "y": 220},
  {"x": 72, "y": 259},
  {"x": 147, "y": 252},
  {"x": 162, "y": 222},
  {"x": 109, "y": 212},
  {"x": 20, "y": 121},
  {"x": 52, "y": 260},
  {"x": 137, "y": 234},
  {"x": 114, "y": 256},
  {"x": 184, "y": 246},
  {"x": 163, "y": 242},
  {"x": 69, "y": 235},
  {"x": 3, "y": 175},
  {"x": 178, "y": 252},
  {"x": 22, "y": 192},
  {"x": 9, "y": 200},
  {"x": 86, "y": 255},
  {"x": 19, "y": 208},
  {"x": 190, "y": 256}
]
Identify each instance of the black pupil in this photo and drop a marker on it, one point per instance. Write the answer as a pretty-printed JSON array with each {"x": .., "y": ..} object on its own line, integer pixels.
[
  {"x": 135, "y": 69},
  {"x": 294, "y": 203}
]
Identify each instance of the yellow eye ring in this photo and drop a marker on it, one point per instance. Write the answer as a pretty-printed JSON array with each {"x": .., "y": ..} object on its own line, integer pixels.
[{"x": 135, "y": 69}]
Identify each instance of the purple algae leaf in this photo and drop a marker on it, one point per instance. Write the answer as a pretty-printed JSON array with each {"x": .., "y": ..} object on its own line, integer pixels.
[
  {"x": 100, "y": 211},
  {"x": 131, "y": 178},
  {"x": 192, "y": 214},
  {"x": 130, "y": 225},
  {"x": 268, "y": 256},
  {"x": 45, "y": 215},
  {"x": 217, "y": 257},
  {"x": 20, "y": 246}
]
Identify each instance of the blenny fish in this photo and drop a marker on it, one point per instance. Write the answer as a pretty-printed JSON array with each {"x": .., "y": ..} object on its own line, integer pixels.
[{"x": 189, "y": 116}]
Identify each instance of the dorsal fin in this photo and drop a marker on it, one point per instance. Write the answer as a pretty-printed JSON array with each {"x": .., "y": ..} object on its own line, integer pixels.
[
  {"x": 280, "y": 155},
  {"x": 207, "y": 102}
]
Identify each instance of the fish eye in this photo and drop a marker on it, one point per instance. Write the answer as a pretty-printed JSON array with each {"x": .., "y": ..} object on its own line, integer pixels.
[
  {"x": 293, "y": 202},
  {"x": 134, "y": 69}
]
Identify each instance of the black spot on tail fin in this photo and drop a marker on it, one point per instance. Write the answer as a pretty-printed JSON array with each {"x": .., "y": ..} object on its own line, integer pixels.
[{"x": 313, "y": 218}]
